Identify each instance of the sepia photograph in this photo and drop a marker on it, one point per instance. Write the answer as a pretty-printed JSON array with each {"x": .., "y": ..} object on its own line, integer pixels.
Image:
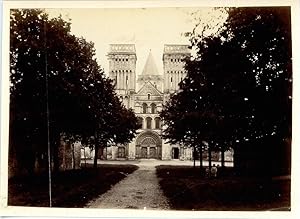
[{"x": 173, "y": 108}]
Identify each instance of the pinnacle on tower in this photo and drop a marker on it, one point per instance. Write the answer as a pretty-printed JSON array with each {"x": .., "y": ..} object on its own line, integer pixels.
[{"x": 150, "y": 66}]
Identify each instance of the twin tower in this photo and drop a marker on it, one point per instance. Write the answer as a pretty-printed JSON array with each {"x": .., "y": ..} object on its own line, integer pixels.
[{"x": 122, "y": 68}]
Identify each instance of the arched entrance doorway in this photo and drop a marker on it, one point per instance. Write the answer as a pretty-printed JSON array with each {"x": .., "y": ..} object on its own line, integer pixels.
[{"x": 148, "y": 145}]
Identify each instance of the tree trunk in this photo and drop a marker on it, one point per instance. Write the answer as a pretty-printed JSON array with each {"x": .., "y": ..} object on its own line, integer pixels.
[
  {"x": 201, "y": 157},
  {"x": 96, "y": 156},
  {"x": 73, "y": 156},
  {"x": 96, "y": 150},
  {"x": 209, "y": 157},
  {"x": 194, "y": 155},
  {"x": 222, "y": 157},
  {"x": 84, "y": 156},
  {"x": 237, "y": 166}
]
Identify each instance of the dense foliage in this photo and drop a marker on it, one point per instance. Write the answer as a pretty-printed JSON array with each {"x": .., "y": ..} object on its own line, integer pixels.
[
  {"x": 58, "y": 86},
  {"x": 238, "y": 88}
]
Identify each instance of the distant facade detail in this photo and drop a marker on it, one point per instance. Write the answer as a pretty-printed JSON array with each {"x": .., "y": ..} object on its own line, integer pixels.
[{"x": 146, "y": 93}]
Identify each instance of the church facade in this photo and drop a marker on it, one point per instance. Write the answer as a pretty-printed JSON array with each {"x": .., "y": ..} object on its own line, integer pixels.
[{"x": 146, "y": 92}]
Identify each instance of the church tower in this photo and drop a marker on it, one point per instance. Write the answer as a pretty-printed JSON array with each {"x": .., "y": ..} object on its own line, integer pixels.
[
  {"x": 173, "y": 64},
  {"x": 122, "y": 70},
  {"x": 122, "y": 67}
]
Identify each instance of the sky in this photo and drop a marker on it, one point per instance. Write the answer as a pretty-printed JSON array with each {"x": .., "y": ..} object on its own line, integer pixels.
[{"x": 147, "y": 28}]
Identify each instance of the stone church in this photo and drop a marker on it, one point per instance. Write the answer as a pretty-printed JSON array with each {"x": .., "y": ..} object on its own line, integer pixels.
[{"x": 146, "y": 92}]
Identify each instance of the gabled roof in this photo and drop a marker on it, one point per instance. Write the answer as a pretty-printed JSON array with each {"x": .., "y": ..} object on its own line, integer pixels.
[
  {"x": 150, "y": 66},
  {"x": 148, "y": 88}
]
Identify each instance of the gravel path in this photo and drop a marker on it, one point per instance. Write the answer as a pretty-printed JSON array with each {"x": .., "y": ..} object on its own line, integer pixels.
[{"x": 139, "y": 190}]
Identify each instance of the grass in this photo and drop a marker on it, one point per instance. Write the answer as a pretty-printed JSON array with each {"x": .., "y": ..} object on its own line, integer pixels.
[
  {"x": 73, "y": 188},
  {"x": 187, "y": 189}
]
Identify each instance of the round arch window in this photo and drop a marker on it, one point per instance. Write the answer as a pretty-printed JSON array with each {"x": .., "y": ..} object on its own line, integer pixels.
[
  {"x": 148, "y": 122},
  {"x": 153, "y": 108},
  {"x": 144, "y": 107},
  {"x": 157, "y": 123}
]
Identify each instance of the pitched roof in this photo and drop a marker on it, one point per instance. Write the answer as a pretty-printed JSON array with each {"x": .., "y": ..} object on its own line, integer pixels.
[
  {"x": 150, "y": 66},
  {"x": 148, "y": 88}
]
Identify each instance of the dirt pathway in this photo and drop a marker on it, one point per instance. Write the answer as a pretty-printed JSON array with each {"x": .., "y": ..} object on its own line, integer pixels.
[{"x": 139, "y": 190}]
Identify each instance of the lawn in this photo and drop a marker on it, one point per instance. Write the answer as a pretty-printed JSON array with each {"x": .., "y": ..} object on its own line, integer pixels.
[
  {"x": 73, "y": 188},
  {"x": 187, "y": 189}
]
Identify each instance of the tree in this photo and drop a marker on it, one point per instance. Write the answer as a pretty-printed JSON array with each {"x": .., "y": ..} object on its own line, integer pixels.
[
  {"x": 191, "y": 118},
  {"x": 57, "y": 87},
  {"x": 239, "y": 86},
  {"x": 262, "y": 40},
  {"x": 114, "y": 123},
  {"x": 41, "y": 52}
]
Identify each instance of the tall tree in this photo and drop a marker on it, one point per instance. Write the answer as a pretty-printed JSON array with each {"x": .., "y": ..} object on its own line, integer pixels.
[
  {"x": 264, "y": 41},
  {"x": 56, "y": 85},
  {"x": 239, "y": 86},
  {"x": 113, "y": 123}
]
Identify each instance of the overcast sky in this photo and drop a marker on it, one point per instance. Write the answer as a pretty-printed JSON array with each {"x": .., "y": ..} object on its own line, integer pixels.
[{"x": 147, "y": 28}]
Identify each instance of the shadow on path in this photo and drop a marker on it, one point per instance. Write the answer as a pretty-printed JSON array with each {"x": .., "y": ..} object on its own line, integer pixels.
[{"x": 139, "y": 190}]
